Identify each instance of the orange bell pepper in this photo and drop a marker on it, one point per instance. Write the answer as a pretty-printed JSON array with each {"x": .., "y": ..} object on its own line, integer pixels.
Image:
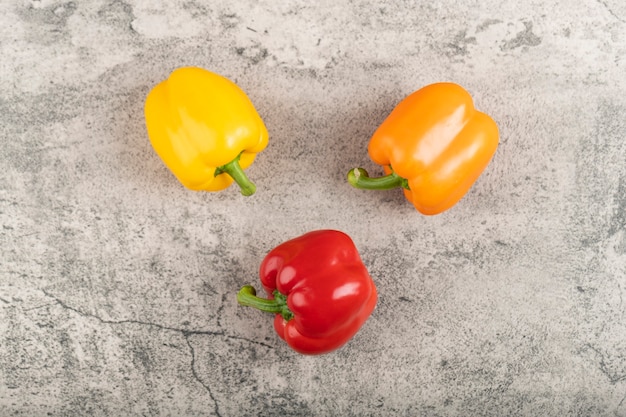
[{"x": 434, "y": 145}]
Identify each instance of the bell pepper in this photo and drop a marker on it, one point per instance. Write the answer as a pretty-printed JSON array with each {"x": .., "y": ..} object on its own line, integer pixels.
[
  {"x": 205, "y": 129},
  {"x": 318, "y": 288},
  {"x": 434, "y": 145}
]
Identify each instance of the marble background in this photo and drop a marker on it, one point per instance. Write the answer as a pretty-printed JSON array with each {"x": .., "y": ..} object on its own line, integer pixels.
[{"x": 117, "y": 285}]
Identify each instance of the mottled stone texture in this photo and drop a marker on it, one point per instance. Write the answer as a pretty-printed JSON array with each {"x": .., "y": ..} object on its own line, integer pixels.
[{"x": 117, "y": 285}]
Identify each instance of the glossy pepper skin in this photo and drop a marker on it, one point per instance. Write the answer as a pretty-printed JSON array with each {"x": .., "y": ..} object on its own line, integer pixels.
[
  {"x": 434, "y": 144},
  {"x": 319, "y": 289},
  {"x": 205, "y": 129}
]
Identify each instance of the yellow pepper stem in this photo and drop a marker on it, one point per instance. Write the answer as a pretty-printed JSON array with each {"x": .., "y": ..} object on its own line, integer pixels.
[
  {"x": 236, "y": 172},
  {"x": 359, "y": 178}
]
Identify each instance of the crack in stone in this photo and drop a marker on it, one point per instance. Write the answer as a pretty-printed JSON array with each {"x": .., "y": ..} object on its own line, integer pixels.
[
  {"x": 197, "y": 377},
  {"x": 219, "y": 311},
  {"x": 184, "y": 332},
  {"x": 105, "y": 321}
]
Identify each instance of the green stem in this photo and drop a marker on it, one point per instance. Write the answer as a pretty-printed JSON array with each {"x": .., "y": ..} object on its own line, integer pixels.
[
  {"x": 359, "y": 178},
  {"x": 236, "y": 172},
  {"x": 247, "y": 297}
]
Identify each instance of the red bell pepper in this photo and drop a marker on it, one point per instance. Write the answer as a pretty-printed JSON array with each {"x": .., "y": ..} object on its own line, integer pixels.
[{"x": 319, "y": 289}]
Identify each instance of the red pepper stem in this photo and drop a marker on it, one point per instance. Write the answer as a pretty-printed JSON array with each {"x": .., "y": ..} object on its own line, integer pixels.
[
  {"x": 247, "y": 297},
  {"x": 236, "y": 172},
  {"x": 359, "y": 178}
]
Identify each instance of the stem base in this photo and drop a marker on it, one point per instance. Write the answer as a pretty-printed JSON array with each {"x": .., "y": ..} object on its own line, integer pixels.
[
  {"x": 359, "y": 178},
  {"x": 236, "y": 172}
]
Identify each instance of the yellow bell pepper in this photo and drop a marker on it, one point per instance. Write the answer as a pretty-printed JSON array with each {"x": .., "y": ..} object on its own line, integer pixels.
[{"x": 205, "y": 129}]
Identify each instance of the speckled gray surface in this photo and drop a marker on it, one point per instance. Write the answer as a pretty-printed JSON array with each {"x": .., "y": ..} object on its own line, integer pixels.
[{"x": 117, "y": 285}]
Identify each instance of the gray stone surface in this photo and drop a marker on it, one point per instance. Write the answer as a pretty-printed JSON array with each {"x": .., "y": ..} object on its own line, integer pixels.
[{"x": 117, "y": 285}]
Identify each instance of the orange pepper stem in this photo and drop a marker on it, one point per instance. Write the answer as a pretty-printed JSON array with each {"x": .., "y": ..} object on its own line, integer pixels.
[
  {"x": 359, "y": 178},
  {"x": 236, "y": 172},
  {"x": 247, "y": 297}
]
